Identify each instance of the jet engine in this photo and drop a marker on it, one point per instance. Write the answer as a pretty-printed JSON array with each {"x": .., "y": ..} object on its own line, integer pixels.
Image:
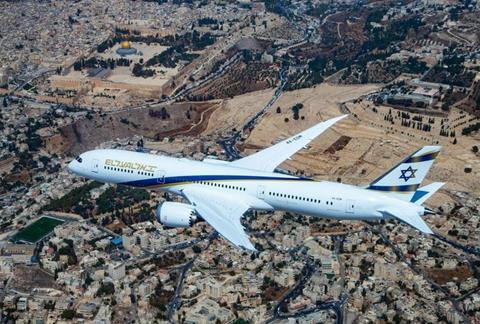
[{"x": 173, "y": 214}]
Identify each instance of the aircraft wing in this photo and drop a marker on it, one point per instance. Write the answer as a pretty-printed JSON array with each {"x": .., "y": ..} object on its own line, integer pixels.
[
  {"x": 223, "y": 212},
  {"x": 269, "y": 158}
]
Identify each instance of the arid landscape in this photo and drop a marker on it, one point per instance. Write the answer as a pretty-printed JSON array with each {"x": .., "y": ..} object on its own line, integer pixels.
[{"x": 212, "y": 82}]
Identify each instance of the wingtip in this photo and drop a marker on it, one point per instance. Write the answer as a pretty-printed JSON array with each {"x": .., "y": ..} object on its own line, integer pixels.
[
  {"x": 437, "y": 184},
  {"x": 435, "y": 148},
  {"x": 333, "y": 120},
  {"x": 249, "y": 248},
  {"x": 427, "y": 231},
  {"x": 340, "y": 117},
  {"x": 422, "y": 226}
]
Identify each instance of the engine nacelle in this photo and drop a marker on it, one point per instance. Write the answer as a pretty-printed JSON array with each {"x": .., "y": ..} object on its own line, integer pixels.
[{"x": 173, "y": 214}]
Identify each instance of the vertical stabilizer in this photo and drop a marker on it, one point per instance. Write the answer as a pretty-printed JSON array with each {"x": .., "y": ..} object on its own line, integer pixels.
[{"x": 403, "y": 180}]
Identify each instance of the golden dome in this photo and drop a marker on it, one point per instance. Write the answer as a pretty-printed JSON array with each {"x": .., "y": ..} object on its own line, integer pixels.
[{"x": 125, "y": 44}]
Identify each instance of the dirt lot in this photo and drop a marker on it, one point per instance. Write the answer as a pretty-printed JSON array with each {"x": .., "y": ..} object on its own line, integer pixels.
[
  {"x": 26, "y": 277},
  {"x": 319, "y": 103},
  {"x": 237, "y": 110},
  {"x": 375, "y": 145},
  {"x": 442, "y": 276}
]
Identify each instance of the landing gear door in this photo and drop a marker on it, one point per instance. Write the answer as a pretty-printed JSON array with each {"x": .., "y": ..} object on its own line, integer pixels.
[
  {"x": 95, "y": 164},
  {"x": 160, "y": 175}
]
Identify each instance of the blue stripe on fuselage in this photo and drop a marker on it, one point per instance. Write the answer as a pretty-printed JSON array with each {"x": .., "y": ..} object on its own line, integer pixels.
[{"x": 180, "y": 179}]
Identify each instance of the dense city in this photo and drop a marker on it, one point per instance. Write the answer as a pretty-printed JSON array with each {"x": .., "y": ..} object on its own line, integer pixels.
[{"x": 219, "y": 80}]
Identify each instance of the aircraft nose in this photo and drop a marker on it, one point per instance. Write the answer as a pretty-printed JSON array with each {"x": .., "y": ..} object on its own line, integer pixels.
[
  {"x": 74, "y": 167},
  {"x": 70, "y": 166}
]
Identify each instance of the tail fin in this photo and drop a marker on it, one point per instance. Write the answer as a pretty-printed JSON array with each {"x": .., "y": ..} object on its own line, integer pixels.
[{"x": 403, "y": 180}]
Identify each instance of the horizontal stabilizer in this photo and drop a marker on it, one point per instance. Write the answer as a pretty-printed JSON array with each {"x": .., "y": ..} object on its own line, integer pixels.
[
  {"x": 409, "y": 217},
  {"x": 425, "y": 192}
]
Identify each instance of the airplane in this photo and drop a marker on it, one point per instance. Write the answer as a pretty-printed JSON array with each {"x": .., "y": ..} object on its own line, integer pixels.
[{"x": 221, "y": 192}]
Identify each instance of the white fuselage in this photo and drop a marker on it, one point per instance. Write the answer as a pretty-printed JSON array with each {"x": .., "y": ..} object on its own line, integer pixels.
[{"x": 265, "y": 190}]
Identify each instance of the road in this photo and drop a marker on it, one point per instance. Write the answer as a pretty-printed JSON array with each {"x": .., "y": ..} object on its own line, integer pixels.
[
  {"x": 308, "y": 270},
  {"x": 40, "y": 74},
  {"x": 183, "y": 92},
  {"x": 229, "y": 143},
  {"x": 467, "y": 249},
  {"x": 166, "y": 100},
  {"x": 176, "y": 301},
  {"x": 306, "y": 273},
  {"x": 460, "y": 38},
  {"x": 224, "y": 68},
  {"x": 338, "y": 244}
]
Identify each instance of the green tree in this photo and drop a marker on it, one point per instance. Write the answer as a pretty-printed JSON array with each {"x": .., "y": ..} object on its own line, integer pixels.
[
  {"x": 68, "y": 314},
  {"x": 106, "y": 288}
]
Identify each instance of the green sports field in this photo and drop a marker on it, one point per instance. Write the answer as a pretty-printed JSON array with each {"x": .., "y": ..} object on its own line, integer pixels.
[{"x": 37, "y": 230}]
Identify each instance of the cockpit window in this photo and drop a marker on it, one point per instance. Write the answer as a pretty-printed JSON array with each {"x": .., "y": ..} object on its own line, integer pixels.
[{"x": 78, "y": 159}]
